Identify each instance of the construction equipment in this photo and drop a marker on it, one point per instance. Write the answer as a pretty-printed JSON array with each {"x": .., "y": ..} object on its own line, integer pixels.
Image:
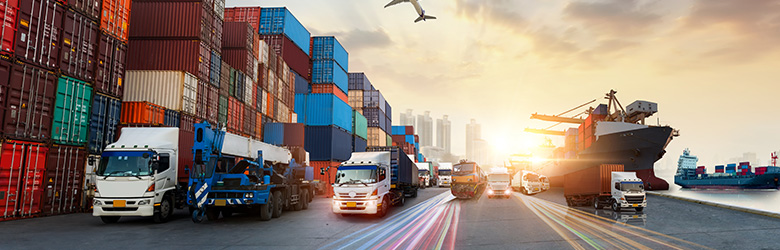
[{"x": 233, "y": 173}]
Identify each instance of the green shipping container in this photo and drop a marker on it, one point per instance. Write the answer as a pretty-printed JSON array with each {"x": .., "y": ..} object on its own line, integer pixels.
[
  {"x": 71, "y": 111},
  {"x": 223, "y": 110},
  {"x": 232, "y": 85},
  {"x": 389, "y": 140},
  {"x": 359, "y": 125}
]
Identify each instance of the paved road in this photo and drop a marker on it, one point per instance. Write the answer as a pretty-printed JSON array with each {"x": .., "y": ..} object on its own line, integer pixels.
[{"x": 431, "y": 221}]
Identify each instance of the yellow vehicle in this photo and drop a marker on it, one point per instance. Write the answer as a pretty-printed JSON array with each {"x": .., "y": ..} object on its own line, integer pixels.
[{"x": 468, "y": 180}]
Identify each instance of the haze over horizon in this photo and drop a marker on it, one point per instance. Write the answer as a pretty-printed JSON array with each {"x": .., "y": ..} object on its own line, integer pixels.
[{"x": 710, "y": 65}]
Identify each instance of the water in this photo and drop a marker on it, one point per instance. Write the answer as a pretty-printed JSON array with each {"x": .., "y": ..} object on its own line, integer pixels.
[{"x": 764, "y": 200}]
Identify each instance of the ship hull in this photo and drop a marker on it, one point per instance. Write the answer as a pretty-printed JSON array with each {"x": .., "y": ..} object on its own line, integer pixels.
[
  {"x": 636, "y": 149},
  {"x": 766, "y": 181}
]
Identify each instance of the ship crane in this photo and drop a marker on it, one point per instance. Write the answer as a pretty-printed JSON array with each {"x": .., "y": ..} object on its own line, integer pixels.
[
  {"x": 575, "y": 119},
  {"x": 774, "y": 159}
]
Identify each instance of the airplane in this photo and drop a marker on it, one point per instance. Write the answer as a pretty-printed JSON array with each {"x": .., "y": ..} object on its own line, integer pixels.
[{"x": 417, "y": 7}]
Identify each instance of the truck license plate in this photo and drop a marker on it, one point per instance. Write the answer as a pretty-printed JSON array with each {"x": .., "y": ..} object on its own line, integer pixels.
[
  {"x": 351, "y": 204},
  {"x": 636, "y": 205},
  {"x": 120, "y": 203},
  {"x": 220, "y": 203}
]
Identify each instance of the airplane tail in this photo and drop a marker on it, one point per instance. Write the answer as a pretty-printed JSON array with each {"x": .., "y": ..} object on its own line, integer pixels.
[{"x": 424, "y": 17}]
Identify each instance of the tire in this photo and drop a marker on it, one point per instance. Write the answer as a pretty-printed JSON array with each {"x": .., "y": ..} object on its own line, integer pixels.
[
  {"x": 414, "y": 195},
  {"x": 383, "y": 209},
  {"x": 267, "y": 209},
  {"x": 212, "y": 213},
  {"x": 596, "y": 204},
  {"x": 165, "y": 210},
  {"x": 197, "y": 215},
  {"x": 639, "y": 209},
  {"x": 299, "y": 205},
  {"x": 278, "y": 206},
  {"x": 615, "y": 206},
  {"x": 401, "y": 200},
  {"x": 306, "y": 200},
  {"x": 110, "y": 219}
]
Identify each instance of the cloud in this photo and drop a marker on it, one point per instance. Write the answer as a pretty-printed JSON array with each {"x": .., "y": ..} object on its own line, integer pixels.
[
  {"x": 613, "y": 17},
  {"x": 358, "y": 39},
  {"x": 493, "y": 11}
]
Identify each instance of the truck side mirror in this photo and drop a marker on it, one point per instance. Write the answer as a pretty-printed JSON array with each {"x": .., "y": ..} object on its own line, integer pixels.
[
  {"x": 322, "y": 171},
  {"x": 617, "y": 185}
]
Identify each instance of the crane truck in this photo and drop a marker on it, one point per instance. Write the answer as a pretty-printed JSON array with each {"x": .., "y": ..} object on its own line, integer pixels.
[{"x": 232, "y": 173}]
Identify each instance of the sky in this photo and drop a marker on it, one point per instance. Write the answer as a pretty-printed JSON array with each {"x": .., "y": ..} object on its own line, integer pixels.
[{"x": 711, "y": 65}]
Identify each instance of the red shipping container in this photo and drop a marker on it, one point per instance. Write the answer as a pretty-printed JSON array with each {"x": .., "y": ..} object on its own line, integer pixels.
[
  {"x": 38, "y": 32},
  {"x": 216, "y": 31},
  {"x": 235, "y": 116},
  {"x": 330, "y": 168},
  {"x": 240, "y": 59},
  {"x": 63, "y": 180},
  {"x": 79, "y": 45},
  {"x": 188, "y": 55},
  {"x": 186, "y": 141},
  {"x": 250, "y": 15},
  {"x": 294, "y": 134},
  {"x": 22, "y": 169},
  {"x": 327, "y": 89},
  {"x": 175, "y": 20},
  {"x": 238, "y": 35},
  {"x": 208, "y": 102},
  {"x": 8, "y": 12},
  {"x": 90, "y": 8},
  {"x": 145, "y": 113},
  {"x": 115, "y": 18},
  {"x": 30, "y": 103},
  {"x": 111, "y": 64},
  {"x": 295, "y": 58},
  {"x": 6, "y": 67}
]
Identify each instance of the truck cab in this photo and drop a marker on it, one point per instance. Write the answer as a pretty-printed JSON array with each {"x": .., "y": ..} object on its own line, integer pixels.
[
  {"x": 627, "y": 191},
  {"x": 498, "y": 185},
  {"x": 362, "y": 186},
  {"x": 424, "y": 177},
  {"x": 137, "y": 175},
  {"x": 527, "y": 182},
  {"x": 545, "y": 182},
  {"x": 445, "y": 174}
]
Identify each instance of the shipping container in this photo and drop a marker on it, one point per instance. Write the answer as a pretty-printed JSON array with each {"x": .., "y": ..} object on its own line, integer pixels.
[
  {"x": 106, "y": 113},
  {"x": 590, "y": 181},
  {"x": 376, "y": 118},
  {"x": 330, "y": 168},
  {"x": 181, "y": 55},
  {"x": 216, "y": 68},
  {"x": 176, "y": 90},
  {"x": 63, "y": 179},
  {"x": 241, "y": 59},
  {"x": 172, "y": 20},
  {"x": 249, "y": 120},
  {"x": 359, "y": 81},
  {"x": 219, "y": 9},
  {"x": 222, "y": 115},
  {"x": 89, "y": 8},
  {"x": 8, "y": 12},
  {"x": 172, "y": 118},
  {"x": 30, "y": 103},
  {"x": 270, "y": 107},
  {"x": 297, "y": 59},
  {"x": 327, "y": 109},
  {"x": 249, "y": 92},
  {"x": 279, "y": 20},
  {"x": 329, "y": 89},
  {"x": 273, "y": 133},
  {"x": 376, "y": 137},
  {"x": 327, "y": 71},
  {"x": 399, "y": 130},
  {"x": 186, "y": 141},
  {"x": 389, "y": 140},
  {"x": 207, "y": 106},
  {"x": 38, "y": 33},
  {"x": 359, "y": 125},
  {"x": 224, "y": 77},
  {"x": 235, "y": 116},
  {"x": 355, "y": 99},
  {"x": 329, "y": 48},
  {"x": 328, "y": 143},
  {"x": 359, "y": 144},
  {"x": 259, "y": 124},
  {"x": 6, "y": 68},
  {"x": 374, "y": 99},
  {"x": 144, "y": 113},
  {"x": 216, "y": 31},
  {"x": 250, "y": 15},
  {"x": 71, "y": 112},
  {"x": 22, "y": 169},
  {"x": 116, "y": 18},
  {"x": 238, "y": 35},
  {"x": 111, "y": 65},
  {"x": 79, "y": 46}
]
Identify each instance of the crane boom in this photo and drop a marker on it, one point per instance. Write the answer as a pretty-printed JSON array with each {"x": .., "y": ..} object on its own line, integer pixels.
[
  {"x": 545, "y": 132},
  {"x": 554, "y": 118}
]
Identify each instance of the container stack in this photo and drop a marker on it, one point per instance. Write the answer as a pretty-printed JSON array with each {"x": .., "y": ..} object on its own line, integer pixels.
[
  {"x": 286, "y": 36},
  {"x": 744, "y": 168},
  {"x": 587, "y": 130},
  {"x": 51, "y": 117},
  {"x": 719, "y": 169},
  {"x": 404, "y": 137},
  {"x": 370, "y": 102},
  {"x": 731, "y": 169},
  {"x": 571, "y": 141}
]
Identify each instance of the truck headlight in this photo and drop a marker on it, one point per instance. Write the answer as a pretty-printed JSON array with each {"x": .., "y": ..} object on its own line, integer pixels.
[
  {"x": 508, "y": 191},
  {"x": 490, "y": 191},
  {"x": 249, "y": 195},
  {"x": 97, "y": 203},
  {"x": 143, "y": 202}
]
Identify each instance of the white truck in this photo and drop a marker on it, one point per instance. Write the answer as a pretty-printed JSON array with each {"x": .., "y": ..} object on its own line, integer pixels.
[
  {"x": 628, "y": 191},
  {"x": 445, "y": 174},
  {"x": 139, "y": 175},
  {"x": 526, "y": 182},
  {"x": 423, "y": 171},
  {"x": 498, "y": 184}
]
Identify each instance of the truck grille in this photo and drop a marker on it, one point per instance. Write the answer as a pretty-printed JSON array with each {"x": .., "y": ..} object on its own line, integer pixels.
[
  {"x": 635, "y": 199},
  {"x": 213, "y": 195},
  {"x": 357, "y": 196}
]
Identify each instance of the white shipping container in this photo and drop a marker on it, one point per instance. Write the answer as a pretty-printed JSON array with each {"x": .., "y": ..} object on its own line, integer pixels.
[
  {"x": 284, "y": 113},
  {"x": 271, "y": 81},
  {"x": 249, "y": 86},
  {"x": 264, "y": 108},
  {"x": 255, "y": 68},
  {"x": 376, "y": 137},
  {"x": 279, "y": 90},
  {"x": 176, "y": 90},
  {"x": 294, "y": 118},
  {"x": 263, "y": 53}
]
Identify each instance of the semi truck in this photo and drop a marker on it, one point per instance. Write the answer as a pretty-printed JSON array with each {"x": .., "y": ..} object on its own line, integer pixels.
[
  {"x": 369, "y": 182},
  {"x": 233, "y": 173},
  {"x": 423, "y": 174},
  {"x": 526, "y": 182},
  {"x": 605, "y": 185},
  {"x": 429, "y": 173},
  {"x": 445, "y": 174},
  {"x": 498, "y": 184}
]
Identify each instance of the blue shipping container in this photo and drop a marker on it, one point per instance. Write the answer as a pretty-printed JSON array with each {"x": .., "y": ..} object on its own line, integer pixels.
[
  {"x": 300, "y": 107},
  {"x": 410, "y": 139},
  {"x": 279, "y": 20},
  {"x": 359, "y": 144},
  {"x": 327, "y": 71},
  {"x": 106, "y": 112},
  {"x": 328, "y": 47},
  {"x": 399, "y": 130},
  {"x": 359, "y": 81},
  {"x": 374, "y": 99},
  {"x": 326, "y": 110},
  {"x": 172, "y": 118},
  {"x": 302, "y": 86},
  {"x": 376, "y": 118},
  {"x": 328, "y": 143},
  {"x": 216, "y": 68},
  {"x": 273, "y": 133}
]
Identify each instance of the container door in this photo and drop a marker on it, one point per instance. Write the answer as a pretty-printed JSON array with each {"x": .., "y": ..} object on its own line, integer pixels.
[
  {"x": 22, "y": 167},
  {"x": 64, "y": 178}
]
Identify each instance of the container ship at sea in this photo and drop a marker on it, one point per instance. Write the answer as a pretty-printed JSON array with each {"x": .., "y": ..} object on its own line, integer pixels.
[
  {"x": 607, "y": 137},
  {"x": 729, "y": 176}
]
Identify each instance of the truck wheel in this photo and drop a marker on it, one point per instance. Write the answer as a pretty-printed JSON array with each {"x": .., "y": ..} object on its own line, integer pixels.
[
  {"x": 197, "y": 215},
  {"x": 639, "y": 209},
  {"x": 383, "y": 209},
  {"x": 165, "y": 210},
  {"x": 305, "y": 199},
  {"x": 267, "y": 209},
  {"x": 299, "y": 205},
  {"x": 596, "y": 204},
  {"x": 615, "y": 206},
  {"x": 414, "y": 195},
  {"x": 212, "y": 213},
  {"x": 278, "y": 206},
  {"x": 402, "y": 200},
  {"x": 110, "y": 219}
]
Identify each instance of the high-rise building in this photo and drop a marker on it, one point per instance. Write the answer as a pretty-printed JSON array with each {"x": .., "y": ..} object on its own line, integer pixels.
[
  {"x": 444, "y": 134},
  {"x": 407, "y": 119},
  {"x": 425, "y": 129},
  {"x": 473, "y": 135}
]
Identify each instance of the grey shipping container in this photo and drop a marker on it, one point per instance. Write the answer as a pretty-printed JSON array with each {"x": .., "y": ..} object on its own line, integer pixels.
[{"x": 404, "y": 171}]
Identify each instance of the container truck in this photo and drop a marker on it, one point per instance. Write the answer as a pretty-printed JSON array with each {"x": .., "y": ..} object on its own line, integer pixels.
[
  {"x": 445, "y": 174},
  {"x": 369, "y": 182},
  {"x": 498, "y": 184},
  {"x": 605, "y": 185},
  {"x": 424, "y": 173},
  {"x": 233, "y": 173},
  {"x": 526, "y": 182}
]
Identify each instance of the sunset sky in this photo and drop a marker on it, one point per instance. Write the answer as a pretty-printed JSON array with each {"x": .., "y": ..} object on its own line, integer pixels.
[{"x": 711, "y": 65}]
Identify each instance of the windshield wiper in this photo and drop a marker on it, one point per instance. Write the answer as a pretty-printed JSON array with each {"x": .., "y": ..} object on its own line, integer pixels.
[
  {"x": 109, "y": 174},
  {"x": 351, "y": 181}
]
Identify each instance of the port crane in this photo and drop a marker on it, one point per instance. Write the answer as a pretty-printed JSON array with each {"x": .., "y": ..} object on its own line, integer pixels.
[{"x": 774, "y": 159}]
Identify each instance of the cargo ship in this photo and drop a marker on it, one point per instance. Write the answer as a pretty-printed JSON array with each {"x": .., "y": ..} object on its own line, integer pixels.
[
  {"x": 609, "y": 137},
  {"x": 730, "y": 176}
]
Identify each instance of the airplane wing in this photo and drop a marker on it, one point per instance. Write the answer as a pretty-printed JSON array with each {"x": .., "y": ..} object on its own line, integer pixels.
[{"x": 394, "y": 2}]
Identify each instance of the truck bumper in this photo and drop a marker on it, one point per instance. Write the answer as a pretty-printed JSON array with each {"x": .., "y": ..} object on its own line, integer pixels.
[
  {"x": 113, "y": 207},
  {"x": 354, "y": 206},
  {"x": 629, "y": 205}
]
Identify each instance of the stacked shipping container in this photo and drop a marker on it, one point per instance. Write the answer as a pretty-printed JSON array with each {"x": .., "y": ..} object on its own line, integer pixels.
[{"x": 370, "y": 102}]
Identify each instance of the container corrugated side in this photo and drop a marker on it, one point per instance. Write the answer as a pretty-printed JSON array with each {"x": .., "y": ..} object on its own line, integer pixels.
[
  {"x": 279, "y": 20},
  {"x": 23, "y": 168},
  {"x": 177, "y": 90},
  {"x": 327, "y": 71},
  {"x": 359, "y": 81},
  {"x": 298, "y": 60},
  {"x": 30, "y": 103},
  {"x": 111, "y": 65},
  {"x": 327, "y": 109},
  {"x": 79, "y": 46},
  {"x": 238, "y": 35},
  {"x": 359, "y": 144},
  {"x": 106, "y": 113},
  {"x": 71, "y": 111},
  {"x": 359, "y": 125},
  {"x": 64, "y": 176},
  {"x": 181, "y": 55},
  {"x": 328, "y": 47},
  {"x": 8, "y": 13},
  {"x": 142, "y": 113},
  {"x": 273, "y": 133},
  {"x": 90, "y": 8},
  {"x": 328, "y": 143},
  {"x": 215, "y": 69},
  {"x": 116, "y": 18},
  {"x": 171, "y": 20},
  {"x": 250, "y": 15},
  {"x": 38, "y": 35}
]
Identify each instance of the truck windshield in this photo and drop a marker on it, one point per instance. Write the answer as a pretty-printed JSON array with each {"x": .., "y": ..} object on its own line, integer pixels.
[
  {"x": 465, "y": 167},
  {"x": 356, "y": 175},
  {"x": 498, "y": 178},
  {"x": 422, "y": 172},
  {"x": 125, "y": 164},
  {"x": 445, "y": 172},
  {"x": 631, "y": 186},
  {"x": 205, "y": 170}
]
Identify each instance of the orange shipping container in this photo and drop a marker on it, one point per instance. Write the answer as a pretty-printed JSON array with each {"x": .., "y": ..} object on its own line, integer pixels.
[
  {"x": 142, "y": 113},
  {"x": 259, "y": 126},
  {"x": 270, "y": 109},
  {"x": 329, "y": 89},
  {"x": 326, "y": 180},
  {"x": 115, "y": 17}
]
